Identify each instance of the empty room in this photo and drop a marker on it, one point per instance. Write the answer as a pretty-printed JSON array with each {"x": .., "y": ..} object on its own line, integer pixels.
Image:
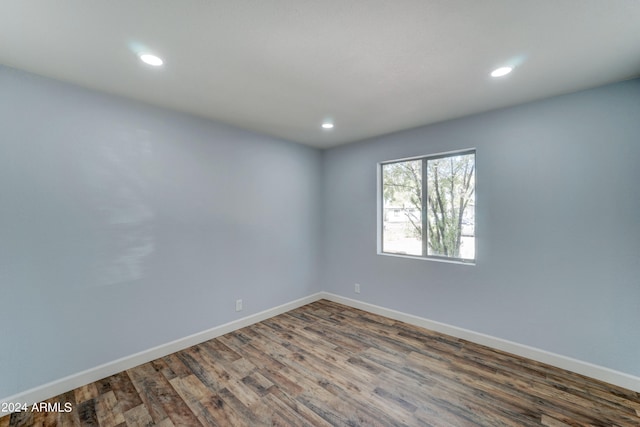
[{"x": 320, "y": 213}]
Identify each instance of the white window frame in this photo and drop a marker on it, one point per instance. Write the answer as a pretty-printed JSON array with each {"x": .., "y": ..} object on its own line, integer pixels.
[{"x": 380, "y": 208}]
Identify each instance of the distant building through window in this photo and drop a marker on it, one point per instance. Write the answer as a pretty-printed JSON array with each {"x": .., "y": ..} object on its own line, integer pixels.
[{"x": 428, "y": 207}]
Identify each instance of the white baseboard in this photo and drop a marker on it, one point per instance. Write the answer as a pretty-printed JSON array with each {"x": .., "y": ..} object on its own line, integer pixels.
[
  {"x": 71, "y": 382},
  {"x": 63, "y": 385},
  {"x": 591, "y": 370}
]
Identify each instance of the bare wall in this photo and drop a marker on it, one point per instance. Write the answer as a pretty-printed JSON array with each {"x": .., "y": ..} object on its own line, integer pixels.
[
  {"x": 124, "y": 227},
  {"x": 558, "y": 228}
]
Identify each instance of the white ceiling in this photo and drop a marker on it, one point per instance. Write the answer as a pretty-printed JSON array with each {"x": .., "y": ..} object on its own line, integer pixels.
[{"x": 281, "y": 67}]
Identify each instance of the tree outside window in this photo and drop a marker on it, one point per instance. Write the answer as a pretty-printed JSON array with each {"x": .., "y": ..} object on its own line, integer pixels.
[{"x": 428, "y": 206}]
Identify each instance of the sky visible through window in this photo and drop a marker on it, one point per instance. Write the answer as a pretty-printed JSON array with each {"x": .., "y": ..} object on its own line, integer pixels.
[{"x": 429, "y": 207}]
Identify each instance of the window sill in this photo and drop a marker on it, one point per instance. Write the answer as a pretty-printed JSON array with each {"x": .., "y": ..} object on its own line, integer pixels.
[{"x": 444, "y": 260}]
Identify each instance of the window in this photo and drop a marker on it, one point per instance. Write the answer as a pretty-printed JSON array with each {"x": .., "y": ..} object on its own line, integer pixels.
[{"x": 428, "y": 207}]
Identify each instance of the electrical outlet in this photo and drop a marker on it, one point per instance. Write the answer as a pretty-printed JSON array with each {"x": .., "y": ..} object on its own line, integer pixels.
[
  {"x": 238, "y": 305},
  {"x": 357, "y": 288}
]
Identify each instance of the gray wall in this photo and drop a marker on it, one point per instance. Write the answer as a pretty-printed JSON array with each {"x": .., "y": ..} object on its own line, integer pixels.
[
  {"x": 123, "y": 227},
  {"x": 558, "y": 229}
]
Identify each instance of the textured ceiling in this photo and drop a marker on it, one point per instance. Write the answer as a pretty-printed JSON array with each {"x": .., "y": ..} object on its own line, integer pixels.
[{"x": 281, "y": 67}]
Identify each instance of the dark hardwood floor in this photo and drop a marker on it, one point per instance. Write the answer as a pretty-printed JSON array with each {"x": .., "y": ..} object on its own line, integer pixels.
[{"x": 326, "y": 364}]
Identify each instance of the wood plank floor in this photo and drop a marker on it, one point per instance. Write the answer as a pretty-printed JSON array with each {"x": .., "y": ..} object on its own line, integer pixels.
[{"x": 326, "y": 364}]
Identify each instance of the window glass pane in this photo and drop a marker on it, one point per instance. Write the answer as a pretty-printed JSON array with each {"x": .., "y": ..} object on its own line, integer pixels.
[
  {"x": 451, "y": 206},
  {"x": 402, "y": 208}
]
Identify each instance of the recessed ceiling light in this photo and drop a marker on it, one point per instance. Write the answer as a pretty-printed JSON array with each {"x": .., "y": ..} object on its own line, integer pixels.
[
  {"x": 502, "y": 71},
  {"x": 327, "y": 125},
  {"x": 151, "y": 59}
]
